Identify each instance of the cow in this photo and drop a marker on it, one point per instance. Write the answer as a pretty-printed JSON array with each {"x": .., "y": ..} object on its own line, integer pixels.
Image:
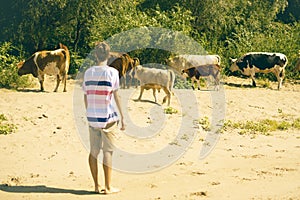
[
  {"x": 188, "y": 61},
  {"x": 195, "y": 73},
  {"x": 264, "y": 62},
  {"x": 55, "y": 62},
  {"x": 124, "y": 64},
  {"x": 194, "y": 66},
  {"x": 155, "y": 79}
]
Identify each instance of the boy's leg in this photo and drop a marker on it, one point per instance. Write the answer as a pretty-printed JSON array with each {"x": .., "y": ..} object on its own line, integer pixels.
[
  {"x": 95, "y": 146},
  {"x": 107, "y": 162},
  {"x": 108, "y": 137}
]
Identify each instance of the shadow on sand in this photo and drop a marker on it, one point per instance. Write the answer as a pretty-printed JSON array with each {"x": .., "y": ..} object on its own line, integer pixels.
[
  {"x": 42, "y": 189},
  {"x": 31, "y": 90},
  {"x": 239, "y": 85},
  {"x": 146, "y": 101}
]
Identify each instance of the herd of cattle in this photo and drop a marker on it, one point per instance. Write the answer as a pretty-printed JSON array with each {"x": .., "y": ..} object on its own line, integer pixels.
[{"x": 56, "y": 62}]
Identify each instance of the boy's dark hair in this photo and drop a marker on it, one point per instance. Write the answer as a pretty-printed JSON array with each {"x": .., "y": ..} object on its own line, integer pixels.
[{"x": 102, "y": 50}]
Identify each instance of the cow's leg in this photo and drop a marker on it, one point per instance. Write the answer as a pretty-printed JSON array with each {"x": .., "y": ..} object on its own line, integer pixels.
[
  {"x": 57, "y": 82},
  {"x": 217, "y": 81},
  {"x": 41, "y": 80},
  {"x": 198, "y": 83},
  {"x": 121, "y": 81},
  {"x": 252, "y": 75},
  {"x": 154, "y": 94},
  {"x": 64, "y": 80},
  {"x": 279, "y": 73},
  {"x": 282, "y": 75},
  {"x": 253, "y": 82},
  {"x": 253, "y": 79},
  {"x": 141, "y": 92},
  {"x": 129, "y": 81},
  {"x": 168, "y": 95},
  {"x": 125, "y": 81},
  {"x": 193, "y": 82}
]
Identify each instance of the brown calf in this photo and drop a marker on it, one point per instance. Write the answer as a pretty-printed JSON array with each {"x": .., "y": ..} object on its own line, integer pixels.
[{"x": 195, "y": 73}]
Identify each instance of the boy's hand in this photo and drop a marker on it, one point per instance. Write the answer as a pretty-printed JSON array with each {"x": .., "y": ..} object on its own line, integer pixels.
[{"x": 122, "y": 125}]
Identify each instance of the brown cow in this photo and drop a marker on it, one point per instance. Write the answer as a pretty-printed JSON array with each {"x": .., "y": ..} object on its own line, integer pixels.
[
  {"x": 195, "y": 73},
  {"x": 124, "y": 64},
  {"x": 54, "y": 62}
]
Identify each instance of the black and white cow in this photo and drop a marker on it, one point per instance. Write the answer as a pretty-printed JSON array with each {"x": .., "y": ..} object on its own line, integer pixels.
[{"x": 263, "y": 62}]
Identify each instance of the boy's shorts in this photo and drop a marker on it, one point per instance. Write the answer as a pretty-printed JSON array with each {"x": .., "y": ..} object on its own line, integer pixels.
[{"x": 103, "y": 138}]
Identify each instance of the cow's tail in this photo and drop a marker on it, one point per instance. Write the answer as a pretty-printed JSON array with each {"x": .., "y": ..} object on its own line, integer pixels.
[
  {"x": 67, "y": 56},
  {"x": 282, "y": 71},
  {"x": 125, "y": 62},
  {"x": 219, "y": 60},
  {"x": 171, "y": 79}
]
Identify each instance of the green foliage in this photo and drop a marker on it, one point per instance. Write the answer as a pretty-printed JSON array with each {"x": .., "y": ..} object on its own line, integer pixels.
[
  {"x": 296, "y": 123},
  {"x": 180, "y": 83},
  {"x": 9, "y": 77},
  {"x": 205, "y": 123},
  {"x": 5, "y": 127},
  {"x": 170, "y": 110},
  {"x": 264, "y": 82},
  {"x": 264, "y": 126},
  {"x": 76, "y": 63}
]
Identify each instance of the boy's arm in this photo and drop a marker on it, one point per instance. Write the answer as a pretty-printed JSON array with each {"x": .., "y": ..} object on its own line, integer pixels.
[
  {"x": 85, "y": 101},
  {"x": 117, "y": 99}
]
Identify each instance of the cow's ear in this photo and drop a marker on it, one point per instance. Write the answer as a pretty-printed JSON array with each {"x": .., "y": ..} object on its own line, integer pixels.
[
  {"x": 233, "y": 60},
  {"x": 20, "y": 64},
  {"x": 136, "y": 61}
]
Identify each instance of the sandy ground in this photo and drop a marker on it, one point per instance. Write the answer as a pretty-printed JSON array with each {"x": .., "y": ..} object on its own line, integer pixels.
[{"x": 46, "y": 157}]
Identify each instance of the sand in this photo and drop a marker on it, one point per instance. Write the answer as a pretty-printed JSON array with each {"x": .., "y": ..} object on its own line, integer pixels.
[{"x": 46, "y": 157}]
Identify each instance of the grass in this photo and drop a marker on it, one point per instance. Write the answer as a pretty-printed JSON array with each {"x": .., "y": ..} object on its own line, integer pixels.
[
  {"x": 170, "y": 110},
  {"x": 264, "y": 82},
  {"x": 265, "y": 126},
  {"x": 6, "y": 127},
  {"x": 204, "y": 123},
  {"x": 284, "y": 122}
]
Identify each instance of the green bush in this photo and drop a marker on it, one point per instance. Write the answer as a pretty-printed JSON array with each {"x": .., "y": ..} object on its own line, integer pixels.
[
  {"x": 5, "y": 127},
  {"x": 9, "y": 77}
]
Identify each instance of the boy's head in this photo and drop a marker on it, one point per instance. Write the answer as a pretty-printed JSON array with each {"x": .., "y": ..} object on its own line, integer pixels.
[{"x": 102, "y": 50}]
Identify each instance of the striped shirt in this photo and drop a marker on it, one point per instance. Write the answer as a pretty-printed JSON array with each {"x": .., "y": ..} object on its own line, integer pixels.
[{"x": 98, "y": 85}]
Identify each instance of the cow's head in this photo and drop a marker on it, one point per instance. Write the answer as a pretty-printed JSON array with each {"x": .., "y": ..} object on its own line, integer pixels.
[
  {"x": 184, "y": 73},
  {"x": 135, "y": 63},
  {"x": 176, "y": 62},
  {"x": 233, "y": 66},
  {"x": 20, "y": 66},
  {"x": 137, "y": 70},
  {"x": 27, "y": 67}
]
